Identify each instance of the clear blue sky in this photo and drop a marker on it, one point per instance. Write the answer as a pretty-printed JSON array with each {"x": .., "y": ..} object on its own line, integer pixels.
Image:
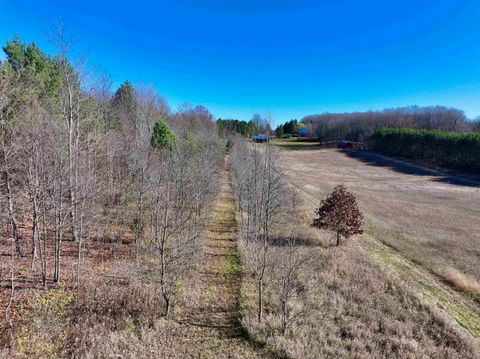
[{"x": 291, "y": 58}]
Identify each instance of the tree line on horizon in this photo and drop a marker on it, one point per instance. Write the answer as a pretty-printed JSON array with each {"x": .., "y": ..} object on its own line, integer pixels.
[
  {"x": 257, "y": 125},
  {"x": 438, "y": 135},
  {"x": 360, "y": 126}
]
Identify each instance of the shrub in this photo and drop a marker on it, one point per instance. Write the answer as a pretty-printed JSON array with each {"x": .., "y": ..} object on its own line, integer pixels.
[{"x": 44, "y": 332}]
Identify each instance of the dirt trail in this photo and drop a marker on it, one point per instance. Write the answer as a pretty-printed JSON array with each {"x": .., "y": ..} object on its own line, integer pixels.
[
  {"x": 211, "y": 328},
  {"x": 464, "y": 311}
]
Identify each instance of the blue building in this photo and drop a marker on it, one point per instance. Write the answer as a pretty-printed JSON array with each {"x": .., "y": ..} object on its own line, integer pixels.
[
  {"x": 303, "y": 132},
  {"x": 260, "y": 138}
]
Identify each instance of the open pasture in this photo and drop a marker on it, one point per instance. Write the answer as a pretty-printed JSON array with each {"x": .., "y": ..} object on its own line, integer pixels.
[{"x": 429, "y": 216}]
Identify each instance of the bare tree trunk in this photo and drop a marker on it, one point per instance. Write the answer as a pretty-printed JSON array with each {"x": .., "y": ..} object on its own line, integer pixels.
[
  {"x": 163, "y": 242},
  {"x": 71, "y": 112},
  {"x": 139, "y": 215},
  {"x": 43, "y": 250},
  {"x": 284, "y": 308},
  {"x": 56, "y": 273},
  {"x": 12, "y": 287},
  {"x": 72, "y": 173},
  {"x": 80, "y": 242},
  {"x": 58, "y": 237},
  {"x": 10, "y": 205},
  {"x": 33, "y": 198},
  {"x": 260, "y": 299}
]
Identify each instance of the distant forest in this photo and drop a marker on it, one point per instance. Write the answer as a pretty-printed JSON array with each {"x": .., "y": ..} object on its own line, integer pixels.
[
  {"x": 360, "y": 126},
  {"x": 436, "y": 135}
]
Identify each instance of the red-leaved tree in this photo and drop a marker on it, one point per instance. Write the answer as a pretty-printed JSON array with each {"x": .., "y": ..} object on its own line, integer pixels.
[{"x": 339, "y": 213}]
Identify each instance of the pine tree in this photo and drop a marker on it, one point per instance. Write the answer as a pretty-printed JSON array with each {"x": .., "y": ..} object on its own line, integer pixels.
[{"x": 163, "y": 137}]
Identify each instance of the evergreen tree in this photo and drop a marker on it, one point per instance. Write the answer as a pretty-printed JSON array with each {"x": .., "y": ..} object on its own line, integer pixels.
[
  {"x": 37, "y": 71},
  {"x": 123, "y": 105},
  {"x": 163, "y": 137},
  {"x": 279, "y": 131}
]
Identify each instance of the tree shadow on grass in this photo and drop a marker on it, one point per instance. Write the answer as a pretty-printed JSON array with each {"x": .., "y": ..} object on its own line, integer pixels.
[
  {"x": 410, "y": 168},
  {"x": 303, "y": 242}
]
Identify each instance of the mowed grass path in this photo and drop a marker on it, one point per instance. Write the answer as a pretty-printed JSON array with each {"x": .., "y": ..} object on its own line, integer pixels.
[
  {"x": 428, "y": 286},
  {"x": 211, "y": 327}
]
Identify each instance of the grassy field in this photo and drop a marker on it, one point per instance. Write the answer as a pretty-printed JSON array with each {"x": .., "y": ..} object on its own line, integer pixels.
[
  {"x": 430, "y": 216},
  {"x": 292, "y": 144}
]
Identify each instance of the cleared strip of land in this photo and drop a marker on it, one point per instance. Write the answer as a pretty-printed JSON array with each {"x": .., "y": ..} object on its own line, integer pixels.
[{"x": 210, "y": 326}]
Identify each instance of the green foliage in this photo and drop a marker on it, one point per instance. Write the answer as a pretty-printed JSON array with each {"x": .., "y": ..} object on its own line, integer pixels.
[
  {"x": 16, "y": 51},
  {"x": 279, "y": 132},
  {"x": 192, "y": 145},
  {"x": 244, "y": 128},
  {"x": 123, "y": 106},
  {"x": 233, "y": 264},
  {"x": 290, "y": 127},
  {"x": 129, "y": 326},
  {"x": 448, "y": 149},
  {"x": 33, "y": 66},
  {"x": 180, "y": 288},
  {"x": 124, "y": 97},
  {"x": 163, "y": 137}
]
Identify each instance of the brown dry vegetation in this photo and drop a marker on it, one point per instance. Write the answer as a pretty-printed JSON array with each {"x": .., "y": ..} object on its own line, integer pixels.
[
  {"x": 117, "y": 309},
  {"x": 362, "y": 310},
  {"x": 367, "y": 299}
]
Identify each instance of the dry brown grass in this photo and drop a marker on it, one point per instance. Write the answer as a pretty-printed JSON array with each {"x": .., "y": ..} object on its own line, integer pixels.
[
  {"x": 360, "y": 309},
  {"x": 465, "y": 282}
]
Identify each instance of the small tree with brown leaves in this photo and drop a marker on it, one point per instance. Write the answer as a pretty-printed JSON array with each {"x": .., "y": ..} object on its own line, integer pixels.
[{"x": 339, "y": 213}]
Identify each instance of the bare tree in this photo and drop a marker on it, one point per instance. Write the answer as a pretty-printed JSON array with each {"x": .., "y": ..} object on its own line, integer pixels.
[
  {"x": 9, "y": 154},
  {"x": 260, "y": 193},
  {"x": 180, "y": 187},
  {"x": 71, "y": 97},
  {"x": 292, "y": 274}
]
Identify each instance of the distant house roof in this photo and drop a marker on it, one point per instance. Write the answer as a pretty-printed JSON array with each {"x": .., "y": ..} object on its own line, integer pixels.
[{"x": 260, "y": 138}]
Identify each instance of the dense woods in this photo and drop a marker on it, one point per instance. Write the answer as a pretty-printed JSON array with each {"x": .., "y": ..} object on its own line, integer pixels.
[
  {"x": 291, "y": 127},
  {"x": 84, "y": 169},
  {"x": 447, "y": 149},
  {"x": 256, "y": 125}
]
